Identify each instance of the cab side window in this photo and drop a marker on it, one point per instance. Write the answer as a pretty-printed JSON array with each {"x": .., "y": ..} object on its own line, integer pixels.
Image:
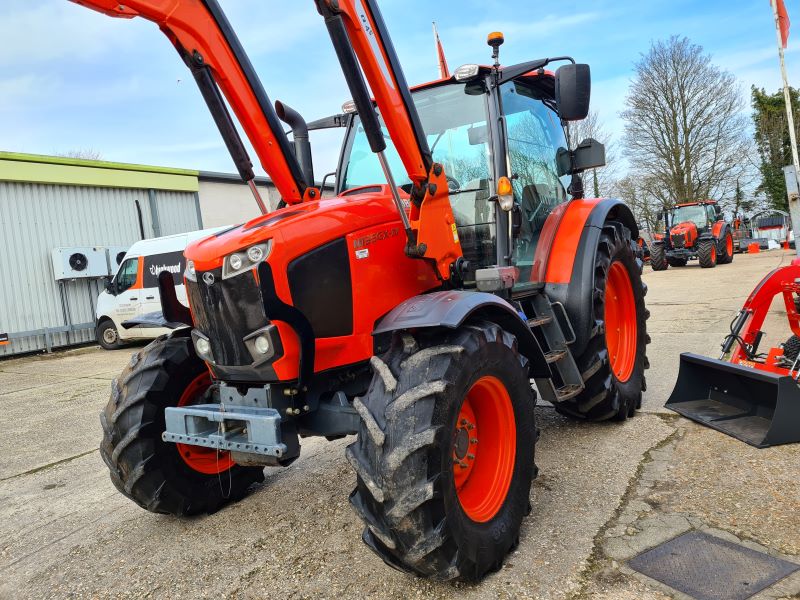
[
  {"x": 126, "y": 276},
  {"x": 712, "y": 214}
]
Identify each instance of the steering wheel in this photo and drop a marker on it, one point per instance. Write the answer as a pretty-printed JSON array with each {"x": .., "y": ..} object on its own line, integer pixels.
[{"x": 453, "y": 184}]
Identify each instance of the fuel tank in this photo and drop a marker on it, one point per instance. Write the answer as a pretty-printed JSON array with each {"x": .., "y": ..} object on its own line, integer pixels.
[{"x": 337, "y": 263}]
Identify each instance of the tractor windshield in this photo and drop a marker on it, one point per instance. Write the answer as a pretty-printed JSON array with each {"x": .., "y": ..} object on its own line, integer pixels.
[
  {"x": 694, "y": 213},
  {"x": 455, "y": 126}
]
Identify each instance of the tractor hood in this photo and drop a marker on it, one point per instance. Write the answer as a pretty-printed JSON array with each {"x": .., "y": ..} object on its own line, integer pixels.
[
  {"x": 683, "y": 235},
  {"x": 297, "y": 229}
]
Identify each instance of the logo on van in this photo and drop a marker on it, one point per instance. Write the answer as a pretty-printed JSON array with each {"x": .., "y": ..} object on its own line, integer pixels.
[
  {"x": 172, "y": 262},
  {"x": 156, "y": 269}
]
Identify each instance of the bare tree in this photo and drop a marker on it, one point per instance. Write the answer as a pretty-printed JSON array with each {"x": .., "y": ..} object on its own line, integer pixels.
[
  {"x": 685, "y": 132},
  {"x": 637, "y": 193},
  {"x": 598, "y": 182},
  {"x": 82, "y": 153}
]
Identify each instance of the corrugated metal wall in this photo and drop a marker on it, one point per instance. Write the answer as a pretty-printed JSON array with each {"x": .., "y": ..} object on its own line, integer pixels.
[{"x": 35, "y": 218}]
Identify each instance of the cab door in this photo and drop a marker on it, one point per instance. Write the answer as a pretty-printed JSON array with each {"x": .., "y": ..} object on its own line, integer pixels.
[{"x": 534, "y": 136}]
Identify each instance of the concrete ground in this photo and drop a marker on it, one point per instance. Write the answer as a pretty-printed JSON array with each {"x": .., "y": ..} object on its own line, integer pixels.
[{"x": 605, "y": 492}]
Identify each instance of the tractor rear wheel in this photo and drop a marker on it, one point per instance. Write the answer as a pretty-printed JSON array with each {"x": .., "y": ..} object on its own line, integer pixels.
[
  {"x": 159, "y": 476},
  {"x": 725, "y": 250},
  {"x": 658, "y": 257},
  {"x": 445, "y": 452},
  {"x": 707, "y": 253},
  {"x": 614, "y": 359}
]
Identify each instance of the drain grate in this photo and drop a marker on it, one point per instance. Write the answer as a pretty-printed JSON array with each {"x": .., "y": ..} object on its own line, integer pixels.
[{"x": 709, "y": 568}]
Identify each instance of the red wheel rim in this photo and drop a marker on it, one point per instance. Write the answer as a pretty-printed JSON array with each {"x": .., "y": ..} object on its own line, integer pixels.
[
  {"x": 729, "y": 245},
  {"x": 620, "y": 317},
  {"x": 484, "y": 449},
  {"x": 208, "y": 461},
  {"x": 713, "y": 253}
]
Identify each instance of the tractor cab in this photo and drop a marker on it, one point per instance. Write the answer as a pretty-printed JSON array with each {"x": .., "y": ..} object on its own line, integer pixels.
[{"x": 505, "y": 176}]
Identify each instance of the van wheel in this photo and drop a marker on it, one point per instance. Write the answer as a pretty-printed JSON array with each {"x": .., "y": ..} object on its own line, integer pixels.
[{"x": 107, "y": 335}]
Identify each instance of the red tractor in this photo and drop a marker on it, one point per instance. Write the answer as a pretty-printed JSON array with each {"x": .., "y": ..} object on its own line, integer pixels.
[
  {"x": 457, "y": 263},
  {"x": 695, "y": 230}
]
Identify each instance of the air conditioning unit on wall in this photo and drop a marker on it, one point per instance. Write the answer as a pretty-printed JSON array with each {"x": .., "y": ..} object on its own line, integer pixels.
[
  {"x": 116, "y": 254},
  {"x": 79, "y": 262}
]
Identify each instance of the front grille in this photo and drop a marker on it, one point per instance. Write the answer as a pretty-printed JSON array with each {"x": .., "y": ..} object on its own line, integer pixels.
[
  {"x": 226, "y": 311},
  {"x": 678, "y": 240}
]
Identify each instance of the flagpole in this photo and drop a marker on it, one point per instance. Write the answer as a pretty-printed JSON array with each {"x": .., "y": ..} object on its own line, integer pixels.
[
  {"x": 794, "y": 204},
  {"x": 436, "y": 47}
]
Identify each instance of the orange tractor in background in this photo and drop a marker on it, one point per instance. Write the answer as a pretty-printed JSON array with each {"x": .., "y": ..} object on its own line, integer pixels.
[{"x": 695, "y": 230}]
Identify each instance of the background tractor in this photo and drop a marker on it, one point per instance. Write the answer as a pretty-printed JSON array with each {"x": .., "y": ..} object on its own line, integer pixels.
[
  {"x": 693, "y": 230},
  {"x": 457, "y": 262}
]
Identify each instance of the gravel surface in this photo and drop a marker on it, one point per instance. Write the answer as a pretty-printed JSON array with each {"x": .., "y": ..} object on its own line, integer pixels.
[{"x": 66, "y": 532}]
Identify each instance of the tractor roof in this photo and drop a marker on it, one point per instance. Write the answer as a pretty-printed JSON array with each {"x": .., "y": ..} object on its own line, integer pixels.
[{"x": 696, "y": 203}]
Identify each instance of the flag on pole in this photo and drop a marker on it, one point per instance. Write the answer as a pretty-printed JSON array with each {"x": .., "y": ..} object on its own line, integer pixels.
[
  {"x": 444, "y": 71},
  {"x": 783, "y": 22}
]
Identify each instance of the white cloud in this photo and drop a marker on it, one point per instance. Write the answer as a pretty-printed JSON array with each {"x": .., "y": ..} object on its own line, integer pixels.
[{"x": 39, "y": 32}]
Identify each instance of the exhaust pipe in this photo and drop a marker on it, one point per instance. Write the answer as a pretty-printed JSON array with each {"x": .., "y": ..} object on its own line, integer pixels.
[{"x": 302, "y": 145}]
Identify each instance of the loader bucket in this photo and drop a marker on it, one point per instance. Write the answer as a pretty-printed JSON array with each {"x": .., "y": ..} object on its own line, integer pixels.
[{"x": 757, "y": 407}]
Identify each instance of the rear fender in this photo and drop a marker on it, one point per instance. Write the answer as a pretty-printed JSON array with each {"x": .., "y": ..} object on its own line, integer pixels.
[
  {"x": 576, "y": 293},
  {"x": 720, "y": 231},
  {"x": 450, "y": 309}
]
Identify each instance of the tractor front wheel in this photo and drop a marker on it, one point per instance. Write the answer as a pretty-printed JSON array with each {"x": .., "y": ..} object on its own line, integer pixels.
[
  {"x": 707, "y": 253},
  {"x": 159, "y": 476},
  {"x": 445, "y": 452},
  {"x": 658, "y": 257}
]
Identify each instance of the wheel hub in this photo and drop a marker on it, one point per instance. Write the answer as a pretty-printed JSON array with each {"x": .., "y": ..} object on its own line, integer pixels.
[
  {"x": 482, "y": 478},
  {"x": 620, "y": 318},
  {"x": 462, "y": 442},
  {"x": 110, "y": 336},
  {"x": 203, "y": 460}
]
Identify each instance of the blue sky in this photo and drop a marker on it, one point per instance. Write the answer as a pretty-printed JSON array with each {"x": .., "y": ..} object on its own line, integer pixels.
[{"x": 74, "y": 79}]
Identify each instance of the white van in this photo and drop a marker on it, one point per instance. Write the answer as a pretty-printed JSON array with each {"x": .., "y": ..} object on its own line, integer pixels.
[{"x": 133, "y": 291}]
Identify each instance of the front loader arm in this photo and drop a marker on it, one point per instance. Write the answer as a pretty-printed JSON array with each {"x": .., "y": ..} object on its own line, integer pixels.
[
  {"x": 360, "y": 37},
  {"x": 205, "y": 40}
]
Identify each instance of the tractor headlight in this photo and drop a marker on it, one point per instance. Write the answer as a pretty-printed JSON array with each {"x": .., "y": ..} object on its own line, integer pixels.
[
  {"x": 466, "y": 72},
  {"x": 202, "y": 346},
  {"x": 255, "y": 254},
  {"x": 245, "y": 259},
  {"x": 235, "y": 262},
  {"x": 262, "y": 344}
]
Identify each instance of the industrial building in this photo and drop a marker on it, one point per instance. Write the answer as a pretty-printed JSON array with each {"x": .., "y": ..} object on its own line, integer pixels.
[{"x": 64, "y": 223}]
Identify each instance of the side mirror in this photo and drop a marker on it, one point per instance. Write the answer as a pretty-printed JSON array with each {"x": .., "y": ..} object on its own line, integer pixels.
[
  {"x": 110, "y": 287},
  {"x": 573, "y": 91},
  {"x": 718, "y": 210},
  {"x": 478, "y": 135},
  {"x": 590, "y": 154},
  {"x": 660, "y": 216}
]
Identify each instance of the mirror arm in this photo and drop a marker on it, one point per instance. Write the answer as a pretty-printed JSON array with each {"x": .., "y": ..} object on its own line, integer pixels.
[{"x": 324, "y": 180}]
